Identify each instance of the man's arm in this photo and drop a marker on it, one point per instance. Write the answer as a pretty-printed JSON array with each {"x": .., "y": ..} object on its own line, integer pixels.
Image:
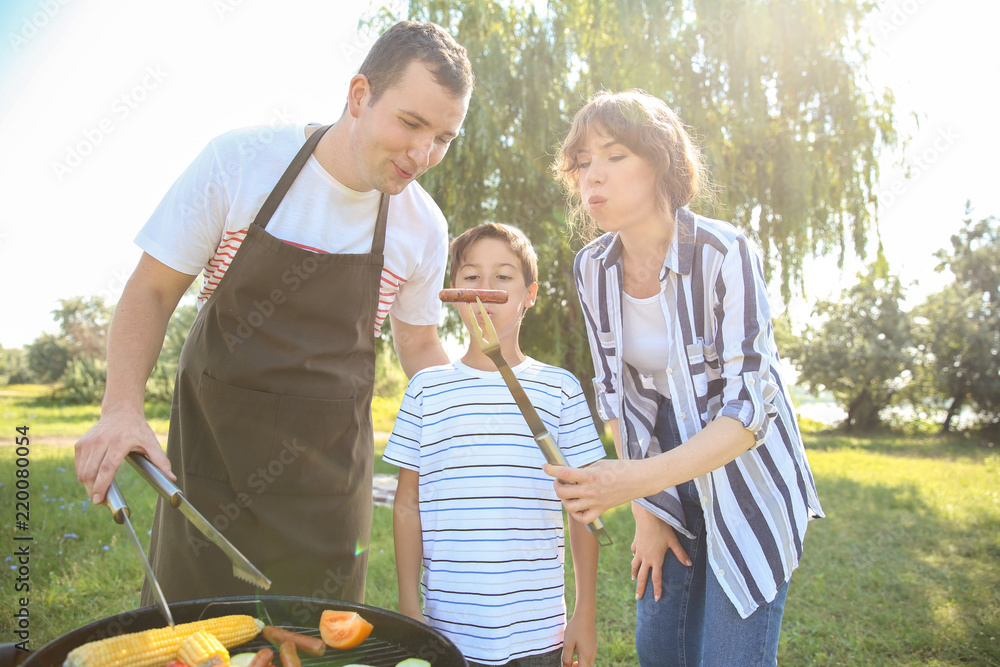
[
  {"x": 134, "y": 341},
  {"x": 417, "y": 347},
  {"x": 408, "y": 542}
]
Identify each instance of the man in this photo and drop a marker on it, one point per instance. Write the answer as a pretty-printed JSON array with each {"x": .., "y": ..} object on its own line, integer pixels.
[{"x": 270, "y": 432}]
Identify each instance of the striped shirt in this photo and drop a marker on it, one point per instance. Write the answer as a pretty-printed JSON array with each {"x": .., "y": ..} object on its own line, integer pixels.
[
  {"x": 492, "y": 525},
  {"x": 723, "y": 362}
]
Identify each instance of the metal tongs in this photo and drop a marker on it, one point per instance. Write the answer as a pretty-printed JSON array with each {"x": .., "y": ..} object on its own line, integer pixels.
[
  {"x": 490, "y": 345},
  {"x": 120, "y": 511},
  {"x": 242, "y": 568}
]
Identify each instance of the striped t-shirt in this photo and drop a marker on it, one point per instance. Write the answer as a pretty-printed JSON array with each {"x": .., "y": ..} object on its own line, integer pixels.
[{"x": 493, "y": 544}]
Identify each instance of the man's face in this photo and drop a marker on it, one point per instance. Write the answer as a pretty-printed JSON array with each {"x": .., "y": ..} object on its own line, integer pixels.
[{"x": 405, "y": 133}]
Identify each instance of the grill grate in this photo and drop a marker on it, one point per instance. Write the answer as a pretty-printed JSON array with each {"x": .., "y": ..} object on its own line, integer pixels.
[{"x": 373, "y": 651}]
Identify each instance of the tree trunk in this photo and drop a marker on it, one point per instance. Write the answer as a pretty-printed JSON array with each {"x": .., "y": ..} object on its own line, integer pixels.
[
  {"x": 953, "y": 409},
  {"x": 853, "y": 410}
]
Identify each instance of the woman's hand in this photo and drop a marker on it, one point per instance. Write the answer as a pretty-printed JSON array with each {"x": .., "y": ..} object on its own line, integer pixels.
[
  {"x": 653, "y": 539},
  {"x": 596, "y": 488}
]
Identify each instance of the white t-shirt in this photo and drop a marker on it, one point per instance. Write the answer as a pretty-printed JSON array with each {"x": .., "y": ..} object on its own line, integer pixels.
[
  {"x": 491, "y": 523},
  {"x": 645, "y": 343},
  {"x": 203, "y": 218}
]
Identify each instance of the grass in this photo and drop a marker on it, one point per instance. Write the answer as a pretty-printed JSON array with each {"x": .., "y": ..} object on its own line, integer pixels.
[
  {"x": 904, "y": 571},
  {"x": 48, "y": 417}
]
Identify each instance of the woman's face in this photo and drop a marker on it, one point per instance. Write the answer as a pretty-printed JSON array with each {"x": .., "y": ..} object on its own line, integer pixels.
[{"x": 617, "y": 186}]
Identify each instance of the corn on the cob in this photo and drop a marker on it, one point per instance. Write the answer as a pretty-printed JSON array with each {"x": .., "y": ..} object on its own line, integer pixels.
[
  {"x": 202, "y": 649},
  {"x": 155, "y": 648}
]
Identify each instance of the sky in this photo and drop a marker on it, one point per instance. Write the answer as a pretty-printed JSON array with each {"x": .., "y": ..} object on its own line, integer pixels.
[{"x": 105, "y": 103}]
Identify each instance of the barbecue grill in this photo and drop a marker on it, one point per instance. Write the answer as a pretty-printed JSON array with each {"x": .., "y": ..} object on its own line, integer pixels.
[{"x": 393, "y": 639}]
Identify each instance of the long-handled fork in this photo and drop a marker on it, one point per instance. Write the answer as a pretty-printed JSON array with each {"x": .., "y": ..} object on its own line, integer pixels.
[{"x": 490, "y": 345}]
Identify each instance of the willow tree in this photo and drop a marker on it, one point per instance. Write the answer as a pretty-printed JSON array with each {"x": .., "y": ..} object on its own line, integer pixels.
[{"x": 776, "y": 91}]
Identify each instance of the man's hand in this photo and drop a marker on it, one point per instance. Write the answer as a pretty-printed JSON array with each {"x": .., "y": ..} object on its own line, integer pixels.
[{"x": 102, "y": 449}]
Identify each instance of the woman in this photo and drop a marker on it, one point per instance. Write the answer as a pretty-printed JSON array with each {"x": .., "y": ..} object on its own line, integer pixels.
[{"x": 689, "y": 380}]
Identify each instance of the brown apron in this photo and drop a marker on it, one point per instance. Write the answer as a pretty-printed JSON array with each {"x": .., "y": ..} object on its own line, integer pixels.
[{"x": 270, "y": 429}]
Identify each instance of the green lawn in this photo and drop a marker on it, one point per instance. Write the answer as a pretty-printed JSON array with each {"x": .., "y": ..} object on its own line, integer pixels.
[{"x": 904, "y": 571}]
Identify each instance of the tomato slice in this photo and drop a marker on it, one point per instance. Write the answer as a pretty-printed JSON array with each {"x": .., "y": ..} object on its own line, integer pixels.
[{"x": 343, "y": 629}]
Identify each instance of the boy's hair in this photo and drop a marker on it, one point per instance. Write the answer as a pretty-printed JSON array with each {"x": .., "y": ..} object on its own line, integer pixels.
[
  {"x": 406, "y": 41},
  {"x": 513, "y": 237},
  {"x": 648, "y": 128}
]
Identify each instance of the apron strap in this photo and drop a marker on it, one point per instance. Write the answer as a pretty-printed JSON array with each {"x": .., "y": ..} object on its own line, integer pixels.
[
  {"x": 378, "y": 239},
  {"x": 287, "y": 178}
]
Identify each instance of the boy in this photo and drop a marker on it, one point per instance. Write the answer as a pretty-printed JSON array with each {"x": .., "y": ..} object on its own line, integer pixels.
[{"x": 473, "y": 505}]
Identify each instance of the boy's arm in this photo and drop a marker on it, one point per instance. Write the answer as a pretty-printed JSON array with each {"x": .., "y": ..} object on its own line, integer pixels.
[
  {"x": 408, "y": 544},
  {"x": 581, "y": 631}
]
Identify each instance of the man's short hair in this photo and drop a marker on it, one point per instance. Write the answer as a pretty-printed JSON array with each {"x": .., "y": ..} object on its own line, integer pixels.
[{"x": 429, "y": 43}]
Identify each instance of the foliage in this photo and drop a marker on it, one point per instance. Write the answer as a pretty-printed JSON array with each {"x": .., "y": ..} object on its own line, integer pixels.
[
  {"x": 83, "y": 325},
  {"x": 160, "y": 385},
  {"x": 784, "y": 336},
  {"x": 84, "y": 381},
  {"x": 862, "y": 349},
  {"x": 72, "y": 355},
  {"x": 778, "y": 90},
  {"x": 47, "y": 358},
  {"x": 390, "y": 380},
  {"x": 14, "y": 366},
  {"x": 959, "y": 327}
]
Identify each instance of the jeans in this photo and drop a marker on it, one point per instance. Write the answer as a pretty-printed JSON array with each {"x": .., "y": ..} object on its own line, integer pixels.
[{"x": 694, "y": 622}]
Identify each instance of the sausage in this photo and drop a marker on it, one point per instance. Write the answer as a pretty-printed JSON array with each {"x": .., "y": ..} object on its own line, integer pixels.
[
  {"x": 311, "y": 645},
  {"x": 289, "y": 655},
  {"x": 469, "y": 295},
  {"x": 262, "y": 659}
]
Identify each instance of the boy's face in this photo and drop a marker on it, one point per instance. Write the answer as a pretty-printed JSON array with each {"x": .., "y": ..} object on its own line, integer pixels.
[{"x": 491, "y": 264}]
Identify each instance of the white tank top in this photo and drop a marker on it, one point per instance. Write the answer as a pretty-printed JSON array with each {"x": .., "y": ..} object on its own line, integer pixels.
[{"x": 644, "y": 339}]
